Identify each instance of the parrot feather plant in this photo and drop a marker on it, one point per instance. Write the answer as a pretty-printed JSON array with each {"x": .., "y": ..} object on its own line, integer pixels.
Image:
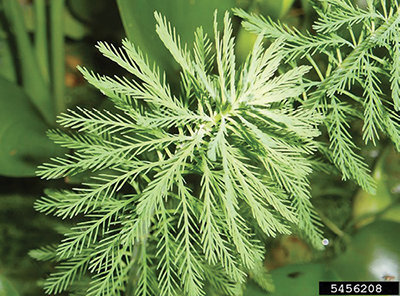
[
  {"x": 187, "y": 183},
  {"x": 207, "y": 169},
  {"x": 355, "y": 53}
]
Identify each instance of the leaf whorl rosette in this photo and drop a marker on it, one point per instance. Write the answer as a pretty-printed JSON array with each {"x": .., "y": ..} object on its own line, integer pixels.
[{"x": 182, "y": 183}]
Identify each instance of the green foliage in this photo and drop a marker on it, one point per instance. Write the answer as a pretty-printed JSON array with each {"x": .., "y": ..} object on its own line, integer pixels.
[
  {"x": 184, "y": 15},
  {"x": 21, "y": 229},
  {"x": 34, "y": 83},
  {"x": 182, "y": 183},
  {"x": 21, "y": 152},
  {"x": 359, "y": 51},
  {"x": 376, "y": 242},
  {"x": 6, "y": 289},
  {"x": 187, "y": 184},
  {"x": 293, "y": 278},
  {"x": 25, "y": 115}
]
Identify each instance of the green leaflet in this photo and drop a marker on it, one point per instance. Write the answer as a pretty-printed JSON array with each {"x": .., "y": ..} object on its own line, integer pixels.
[{"x": 183, "y": 180}]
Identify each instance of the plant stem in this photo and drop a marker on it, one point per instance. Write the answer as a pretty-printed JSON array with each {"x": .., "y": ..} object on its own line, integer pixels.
[
  {"x": 333, "y": 227},
  {"x": 57, "y": 53},
  {"x": 41, "y": 48}
]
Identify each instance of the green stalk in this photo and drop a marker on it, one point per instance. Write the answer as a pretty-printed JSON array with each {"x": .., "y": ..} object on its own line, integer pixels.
[
  {"x": 41, "y": 48},
  {"x": 57, "y": 53},
  {"x": 33, "y": 84}
]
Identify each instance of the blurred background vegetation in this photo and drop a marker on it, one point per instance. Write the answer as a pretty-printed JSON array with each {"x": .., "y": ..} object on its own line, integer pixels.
[{"x": 42, "y": 42}]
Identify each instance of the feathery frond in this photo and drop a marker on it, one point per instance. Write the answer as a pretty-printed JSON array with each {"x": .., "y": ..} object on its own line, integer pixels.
[
  {"x": 181, "y": 183},
  {"x": 352, "y": 63}
]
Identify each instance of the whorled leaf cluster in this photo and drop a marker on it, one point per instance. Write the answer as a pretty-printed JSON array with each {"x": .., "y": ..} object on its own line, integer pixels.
[{"x": 182, "y": 183}]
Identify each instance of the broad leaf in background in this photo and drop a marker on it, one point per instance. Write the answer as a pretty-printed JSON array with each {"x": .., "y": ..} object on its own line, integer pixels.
[
  {"x": 6, "y": 289},
  {"x": 372, "y": 255},
  {"x": 23, "y": 141},
  {"x": 185, "y": 15},
  {"x": 299, "y": 279}
]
